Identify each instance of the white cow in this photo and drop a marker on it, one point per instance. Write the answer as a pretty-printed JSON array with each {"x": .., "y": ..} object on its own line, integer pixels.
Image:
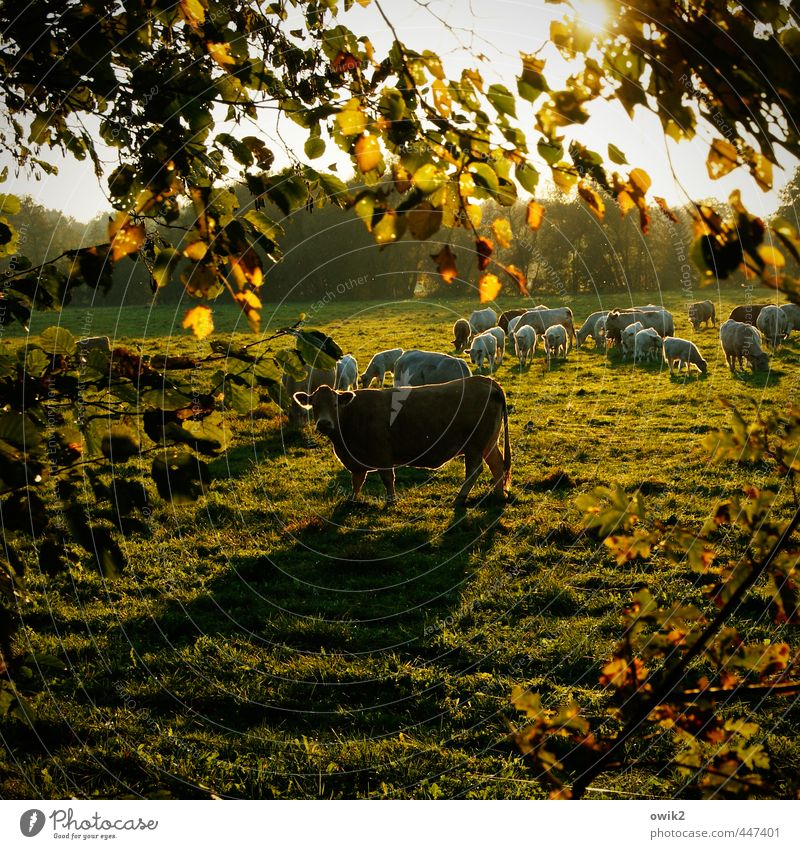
[
  {"x": 629, "y": 339},
  {"x": 740, "y": 340},
  {"x": 647, "y": 346},
  {"x": 684, "y": 352},
  {"x": 382, "y": 362},
  {"x": 600, "y": 334},
  {"x": 525, "y": 340},
  {"x": 500, "y": 335},
  {"x": 482, "y": 320},
  {"x": 792, "y": 312},
  {"x": 419, "y": 368},
  {"x": 556, "y": 342},
  {"x": 484, "y": 349},
  {"x": 541, "y": 319},
  {"x": 588, "y": 328},
  {"x": 346, "y": 373},
  {"x": 773, "y": 323}
]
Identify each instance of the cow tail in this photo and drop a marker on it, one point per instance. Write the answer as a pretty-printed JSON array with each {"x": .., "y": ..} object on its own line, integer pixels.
[{"x": 507, "y": 446}]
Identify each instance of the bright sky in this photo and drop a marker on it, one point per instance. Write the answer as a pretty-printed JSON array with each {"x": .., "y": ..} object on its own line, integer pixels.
[{"x": 498, "y": 29}]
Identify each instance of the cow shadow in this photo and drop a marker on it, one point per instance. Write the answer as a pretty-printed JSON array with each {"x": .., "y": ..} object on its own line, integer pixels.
[{"x": 758, "y": 379}]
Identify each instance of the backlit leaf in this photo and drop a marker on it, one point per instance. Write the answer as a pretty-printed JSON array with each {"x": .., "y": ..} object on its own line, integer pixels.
[
  {"x": 489, "y": 287},
  {"x": 200, "y": 321}
]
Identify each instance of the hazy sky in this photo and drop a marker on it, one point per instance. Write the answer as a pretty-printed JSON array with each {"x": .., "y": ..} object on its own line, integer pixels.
[{"x": 499, "y": 29}]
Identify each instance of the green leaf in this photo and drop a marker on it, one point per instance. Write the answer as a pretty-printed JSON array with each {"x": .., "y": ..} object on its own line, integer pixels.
[
  {"x": 164, "y": 264},
  {"x": 57, "y": 341},
  {"x": 527, "y": 176},
  {"x": 428, "y": 178},
  {"x": 316, "y": 349},
  {"x": 551, "y": 152},
  {"x": 264, "y": 224},
  {"x": 502, "y": 100},
  {"x": 9, "y": 205},
  {"x": 291, "y": 363},
  {"x": 616, "y": 155},
  {"x": 314, "y": 147},
  {"x": 485, "y": 177},
  {"x": 335, "y": 189},
  {"x": 241, "y": 399}
]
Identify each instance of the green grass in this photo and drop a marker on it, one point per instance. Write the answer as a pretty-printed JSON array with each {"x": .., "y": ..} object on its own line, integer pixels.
[{"x": 273, "y": 641}]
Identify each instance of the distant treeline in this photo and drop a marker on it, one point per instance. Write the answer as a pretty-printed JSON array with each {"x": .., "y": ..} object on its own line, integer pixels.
[{"x": 329, "y": 253}]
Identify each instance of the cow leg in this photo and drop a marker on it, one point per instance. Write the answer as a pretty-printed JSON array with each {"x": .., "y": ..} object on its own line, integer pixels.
[
  {"x": 494, "y": 460},
  {"x": 387, "y": 476},
  {"x": 472, "y": 467},
  {"x": 358, "y": 481}
]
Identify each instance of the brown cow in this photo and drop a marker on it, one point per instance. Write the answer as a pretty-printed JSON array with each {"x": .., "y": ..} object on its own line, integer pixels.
[
  {"x": 506, "y": 316},
  {"x": 315, "y": 378},
  {"x": 462, "y": 334},
  {"x": 747, "y": 313},
  {"x": 422, "y": 426}
]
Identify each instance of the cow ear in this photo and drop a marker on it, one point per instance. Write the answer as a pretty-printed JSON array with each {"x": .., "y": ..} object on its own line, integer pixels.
[
  {"x": 302, "y": 399},
  {"x": 345, "y": 398}
]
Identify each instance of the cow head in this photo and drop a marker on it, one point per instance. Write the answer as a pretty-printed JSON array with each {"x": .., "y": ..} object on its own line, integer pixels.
[
  {"x": 759, "y": 361},
  {"x": 324, "y": 402}
]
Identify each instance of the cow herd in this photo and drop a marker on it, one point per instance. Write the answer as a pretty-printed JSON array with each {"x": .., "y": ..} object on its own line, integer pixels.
[{"x": 437, "y": 409}]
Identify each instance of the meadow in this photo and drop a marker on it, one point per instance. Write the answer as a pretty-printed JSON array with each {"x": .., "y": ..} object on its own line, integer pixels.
[{"x": 275, "y": 641}]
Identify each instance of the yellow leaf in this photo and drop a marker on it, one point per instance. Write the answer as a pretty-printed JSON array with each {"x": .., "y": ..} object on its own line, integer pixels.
[
  {"x": 125, "y": 236},
  {"x": 722, "y": 159},
  {"x": 363, "y": 3},
  {"x": 771, "y": 256},
  {"x": 593, "y": 200},
  {"x": 475, "y": 214},
  {"x": 502, "y": 232},
  {"x": 761, "y": 169},
  {"x": 489, "y": 287},
  {"x": 351, "y": 120},
  {"x": 367, "y": 152},
  {"x": 626, "y": 203},
  {"x": 564, "y": 176},
  {"x": 220, "y": 52},
  {"x": 535, "y": 215},
  {"x": 200, "y": 321},
  {"x": 196, "y": 250},
  {"x": 641, "y": 180},
  {"x": 193, "y": 12},
  {"x": 250, "y": 304},
  {"x": 441, "y": 98}
]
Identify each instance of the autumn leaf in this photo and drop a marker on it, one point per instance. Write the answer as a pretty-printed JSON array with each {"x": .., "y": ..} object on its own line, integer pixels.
[
  {"x": 722, "y": 159},
  {"x": 501, "y": 228},
  {"x": 196, "y": 250},
  {"x": 441, "y": 98},
  {"x": 344, "y": 62},
  {"x": 640, "y": 180},
  {"x": 250, "y": 305},
  {"x": 192, "y": 12},
  {"x": 446, "y": 264},
  {"x": 125, "y": 236},
  {"x": 424, "y": 220},
  {"x": 518, "y": 277},
  {"x": 761, "y": 169},
  {"x": 535, "y": 214},
  {"x": 200, "y": 321},
  {"x": 664, "y": 207},
  {"x": 489, "y": 287},
  {"x": 367, "y": 152},
  {"x": 593, "y": 199},
  {"x": 484, "y": 248}
]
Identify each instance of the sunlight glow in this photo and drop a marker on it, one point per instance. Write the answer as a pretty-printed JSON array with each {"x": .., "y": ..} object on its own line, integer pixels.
[{"x": 592, "y": 15}]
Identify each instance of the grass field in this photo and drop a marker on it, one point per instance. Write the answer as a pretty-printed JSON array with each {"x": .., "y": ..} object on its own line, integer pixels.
[{"x": 274, "y": 641}]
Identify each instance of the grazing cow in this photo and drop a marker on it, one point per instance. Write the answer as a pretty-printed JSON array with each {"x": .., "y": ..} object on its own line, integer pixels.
[
  {"x": 424, "y": 427},
  {"x": 792, "y": 312},
  {"x": 315, "y": 377},
  {"x": 541, "y": 319},
  {"x": 484, "y": 348},
  {"x": 500, "y": 335},
  {"x": 524, "y": 341},
  {"x": 556, "y": 342},
  {"x": 382, "y": 362},
  {"x": 506, "y": 317},
  {"x": 94, "y": 343},
  {"x": 647, "y": 346},
  {"x": 417, "y": 368},
  {"x": 587, "y": 329},
  {"x": 628, "y": 339},
  {"x": 462, "y": 333},
  {"x": 773, "y": 323},
  {"x": 747, "y": 313},
  {"x": 482, "y": 320},
  {"x": 618, "y": 320},
  {"x": 346, "y": 373},
  {"x": 685, "y": 353},
  {"x": 738, "y": 340},
  {"x": 600, "y": 340},
  {"x": 702, "y": 311}
]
